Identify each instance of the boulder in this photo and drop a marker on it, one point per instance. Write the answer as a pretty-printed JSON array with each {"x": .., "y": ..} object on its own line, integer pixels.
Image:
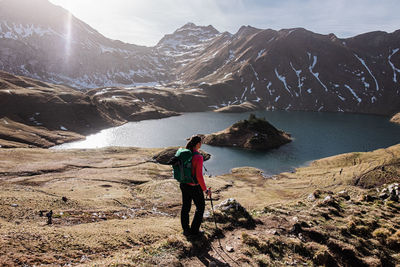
[
  {"x": 232, "y": 213},
  {"x": 165, "y": 155}
]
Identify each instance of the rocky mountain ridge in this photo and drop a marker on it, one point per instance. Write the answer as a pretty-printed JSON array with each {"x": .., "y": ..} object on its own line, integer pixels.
[{"x": 292, "y": 69}]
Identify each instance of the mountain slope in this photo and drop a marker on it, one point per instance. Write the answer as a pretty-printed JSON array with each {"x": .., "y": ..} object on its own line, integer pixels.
[
  {"x": 298, "y": 69},
  {"x": 53, "y": 45},
  {"x": 292, "y": 69}
]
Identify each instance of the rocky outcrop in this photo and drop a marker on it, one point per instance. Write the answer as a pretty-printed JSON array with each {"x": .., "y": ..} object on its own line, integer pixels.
[
  {"x": 42, "y": 114},
  {"x": 238, "y": 108},
  {"x": 396, "y": 118},
  {"x": 15, "y": 135},
  {"x": 165, "y": 155},
  {"x": 230, "y": 213},
  {"x": 54, "y": 107},
  {"x": 254, "y": 133}
]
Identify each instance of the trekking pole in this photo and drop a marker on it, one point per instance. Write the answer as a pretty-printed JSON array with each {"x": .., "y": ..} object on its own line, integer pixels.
[
  {"x": 212, "y": 208},
  {"x": 205, "y": 169},
  {"x": 215, "y": 220}
]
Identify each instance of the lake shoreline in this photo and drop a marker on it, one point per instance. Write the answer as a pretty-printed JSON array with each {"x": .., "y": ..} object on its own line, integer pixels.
[
  {"x": 315, "y": 135},
  {"x": 116, "y": 204}
]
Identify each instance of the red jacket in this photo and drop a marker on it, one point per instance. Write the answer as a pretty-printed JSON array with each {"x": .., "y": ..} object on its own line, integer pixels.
[{"x": 197, "y": 170}]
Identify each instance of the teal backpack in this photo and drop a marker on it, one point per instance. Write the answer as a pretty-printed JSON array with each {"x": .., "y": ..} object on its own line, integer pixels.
[{"x": 182, "y": 165}]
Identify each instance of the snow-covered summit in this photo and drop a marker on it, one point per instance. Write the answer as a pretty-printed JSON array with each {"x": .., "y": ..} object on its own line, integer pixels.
[{"x": 188, "y": 40}]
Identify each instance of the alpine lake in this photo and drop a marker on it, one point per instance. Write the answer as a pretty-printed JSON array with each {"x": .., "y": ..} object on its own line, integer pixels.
[{"x": 315, "y": 135}]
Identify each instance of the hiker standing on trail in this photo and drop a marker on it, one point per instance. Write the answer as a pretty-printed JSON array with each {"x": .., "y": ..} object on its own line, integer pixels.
[{"x": 194, "y": 191}]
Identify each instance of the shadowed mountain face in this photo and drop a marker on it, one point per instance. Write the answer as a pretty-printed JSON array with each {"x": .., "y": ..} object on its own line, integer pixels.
[
  {"x": 61, "y": 108},
  {"x": 291, "y": 69}
]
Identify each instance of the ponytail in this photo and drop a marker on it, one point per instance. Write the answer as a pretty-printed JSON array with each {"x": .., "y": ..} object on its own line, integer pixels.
[{"x": 194, "y": 140}]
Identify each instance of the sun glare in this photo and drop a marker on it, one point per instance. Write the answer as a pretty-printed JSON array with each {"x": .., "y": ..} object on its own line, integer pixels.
[{"x": 68, "y": 36}]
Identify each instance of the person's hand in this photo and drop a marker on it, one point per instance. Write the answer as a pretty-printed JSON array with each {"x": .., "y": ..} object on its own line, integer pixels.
[{"x": 208, "y": 192}]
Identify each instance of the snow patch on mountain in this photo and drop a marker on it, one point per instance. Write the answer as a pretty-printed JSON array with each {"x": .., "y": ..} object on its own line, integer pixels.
[
  {"x": 260, "y": 53},
  {"x": 353, "y": 93},
  {"x": 283, "y": 80},
  {"x": 316, "y": 74},
  {"x": 254, "y": 71},
  {"x": 366, "y": 67},
  {"x": 298, "y": 72},
  {"x": 244, "y": 92},
  {"x": 394, "y": 51},
  {"x": 269, "y": 88}
]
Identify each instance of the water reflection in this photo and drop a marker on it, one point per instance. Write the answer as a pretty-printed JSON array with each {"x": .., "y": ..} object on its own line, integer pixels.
[{"x": 315, "y": 135}]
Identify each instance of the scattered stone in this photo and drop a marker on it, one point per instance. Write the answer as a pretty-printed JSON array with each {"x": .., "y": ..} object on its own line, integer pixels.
[
  {"x": 317, "y": 193},
  {"x": 344, "y": 194},
  {"x": 304, "y": 224},
  {"x": 84, "y": 258},
  {"x": 127, "y": 231},
  {"x": 368, "y": 198},
  {"x": 49, "y": 217},
  {"x": 272, "y": 232},
  {"x": 327, "y": 199},
  {"x": 230, "y": 211},
  {"x": 296, "y": 229},
  {"x": 229, "y": 248},
  {"x": 295, "y": 219},
  {"x": 65, "y": 199},
  {"x": 383, "y": 196},
  {"x": 14, "y": 205},
  {"x": 311, "y": 197},
  {"x": 394, "y": 196}
]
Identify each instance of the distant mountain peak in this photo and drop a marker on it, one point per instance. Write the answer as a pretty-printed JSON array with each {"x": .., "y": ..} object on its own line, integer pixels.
[
  {"x": 186, "y": 39},
  {"x": 190, "y": 26}
]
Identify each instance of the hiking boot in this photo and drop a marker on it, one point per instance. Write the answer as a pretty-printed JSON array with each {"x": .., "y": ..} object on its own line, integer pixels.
[
  {"x": 187, "y": 233},
  {"x": 197, "y": 234}
]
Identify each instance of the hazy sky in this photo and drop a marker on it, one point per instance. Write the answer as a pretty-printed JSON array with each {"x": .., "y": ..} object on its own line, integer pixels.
[{"x": 144, "y": 22}]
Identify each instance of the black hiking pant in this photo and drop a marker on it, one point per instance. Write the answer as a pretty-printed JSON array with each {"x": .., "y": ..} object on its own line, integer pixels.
[{"x": 190, "y": 193}]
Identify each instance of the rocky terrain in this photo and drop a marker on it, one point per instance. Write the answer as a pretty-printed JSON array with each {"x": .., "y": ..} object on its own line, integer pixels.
[
  {"x": 120, "y": 206},
  {"x": 39, "y": 114},
  {"x": 396, "y": 118},
  {"x": 293, "y": 69},
  {"x": 253, "y": 133},
  {"x": 117, "y": 206}
]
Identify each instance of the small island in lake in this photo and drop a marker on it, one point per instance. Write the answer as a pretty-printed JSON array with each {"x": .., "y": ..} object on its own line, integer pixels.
[{"x": 253, "y": 133}]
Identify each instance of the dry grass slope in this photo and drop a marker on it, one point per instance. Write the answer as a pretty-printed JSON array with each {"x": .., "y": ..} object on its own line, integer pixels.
[{"x": 118, "y": 206}]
